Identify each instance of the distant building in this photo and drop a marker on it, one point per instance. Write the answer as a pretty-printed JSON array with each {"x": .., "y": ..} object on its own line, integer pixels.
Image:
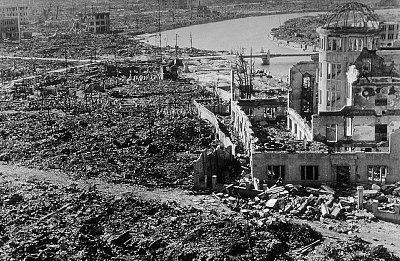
[
  {"x": 389, "y": 34},
  {"x": 179, "y": 4},
  {"x": 9, "y": 28},
  {"x": 98, "y": 22},
  {"x": 15, "y": 11}
]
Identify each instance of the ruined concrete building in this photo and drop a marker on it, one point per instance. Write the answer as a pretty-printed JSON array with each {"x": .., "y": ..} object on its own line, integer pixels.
[
  {"x": 343, "y": 112},
  {"x": 389, "y": 34},
  {"x": 9, "y": 28},
  {"x": 98, "y": 22},
  {"x": 15, "y": 11},
  {"x": 180, "y": 4}
]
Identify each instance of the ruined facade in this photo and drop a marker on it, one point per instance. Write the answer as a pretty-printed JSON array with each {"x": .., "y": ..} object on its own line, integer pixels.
[
  {"x": 343, "y": 111},
  {"x": 373, "y": 113},
  {"x": 389, "y": 34},
  {"x": 9, "y": 28},
  {"x": 347, "y": 31},
  {"x": 179, "y": 4},
  {"x": 15, "y": 11},
  {"x": 98, "y": 22},
  {"x": 315, "y": 167},
  {"x": 302, "y": 97}
]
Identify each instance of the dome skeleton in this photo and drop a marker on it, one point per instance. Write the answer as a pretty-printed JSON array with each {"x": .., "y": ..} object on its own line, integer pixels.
[{"x": 352, "y": 15}]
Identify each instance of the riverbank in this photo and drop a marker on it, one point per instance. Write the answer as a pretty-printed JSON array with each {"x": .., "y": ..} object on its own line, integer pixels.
[
  {"x": 293, "y": 45},
  {"x": 300, "y": 32},
  {"x": 215, "y": 19}
]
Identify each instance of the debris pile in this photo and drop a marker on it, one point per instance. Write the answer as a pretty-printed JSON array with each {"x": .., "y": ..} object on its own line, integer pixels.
[
  {"x": 356, "y": 249},
  {"x": 42, "y": 221},
  {"x": 277, "y": 138},
  {"x": 296, "y": 201}
]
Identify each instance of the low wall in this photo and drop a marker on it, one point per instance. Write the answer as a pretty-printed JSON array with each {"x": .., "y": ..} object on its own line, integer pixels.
[
  {"x": 390, "y": 216},
  {"x": 207, "y": 115},
  {"x": 211, "y": 164}
]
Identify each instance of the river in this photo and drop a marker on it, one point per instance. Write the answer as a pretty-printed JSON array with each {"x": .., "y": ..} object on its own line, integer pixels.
[
  {"x": 245, "y": 34},
  {"x": 237, "y": 34}
]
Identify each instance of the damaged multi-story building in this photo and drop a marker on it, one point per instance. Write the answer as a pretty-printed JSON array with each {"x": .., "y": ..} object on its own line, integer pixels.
[
  {"x": 343, "y": 111},
  {"x": 9, "y": 28},
  {"x": 98, "y": 22},
  {"x": 21, "y": 12}
]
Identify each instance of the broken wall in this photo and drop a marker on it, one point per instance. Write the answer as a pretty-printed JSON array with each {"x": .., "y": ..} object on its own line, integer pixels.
[
  {"x": 381, "y": 97},
  {"x": 221, "y": 135},
  {"x": 298, "y": 126},
  {"x": 362, "y": 131},
  {"x": 303, "y": 88},
  {"x": 316, "y": 168},
  {"x": 215, "y": 163},
  {"x": 216, "y": 106},
  {"x": 264, "y": 109},
  {"x": 242, "y": 126}
]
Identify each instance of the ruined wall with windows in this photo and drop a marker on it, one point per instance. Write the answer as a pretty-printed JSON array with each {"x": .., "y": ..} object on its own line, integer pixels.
[
  {"x": 15, "y": 11},
  {"x": 331, "y": 168},
  {"x": 242, "y": 126},
  {"x": 9, "y": 28},
  {"x": 373, "y": 88},
  {"x": 389, "y": 34},
  {"x": 348, "y": 131},
  {"x": 98, "y": 22},
  {"x": 298, "y": 126},
  {"x": 302, "y": 97},
  {"x": 257, "y": 110}
]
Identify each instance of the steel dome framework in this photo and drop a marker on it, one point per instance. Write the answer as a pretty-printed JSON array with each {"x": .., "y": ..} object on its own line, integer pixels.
[{"x": 352, "y": 15}]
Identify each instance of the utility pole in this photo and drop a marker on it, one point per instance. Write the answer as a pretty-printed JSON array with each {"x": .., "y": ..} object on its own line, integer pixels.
[
  {"x": 176, "y": 44},
  {"x": 19, "y": 28},
  {"x": 250, "y": 75},
  {"x": 66, "y": 62},
  {"x": 159, "y": 30},
  {"x": 191, "y": 41}
]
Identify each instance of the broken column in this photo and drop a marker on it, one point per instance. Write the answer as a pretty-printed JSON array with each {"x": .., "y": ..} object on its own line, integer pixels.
[
  {"x": 360, "y": 195},
  {"x": 214, "y": 181}
]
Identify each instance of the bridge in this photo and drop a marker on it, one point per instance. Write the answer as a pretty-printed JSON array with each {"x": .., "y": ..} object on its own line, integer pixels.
[{"x": 266, "y": 57}]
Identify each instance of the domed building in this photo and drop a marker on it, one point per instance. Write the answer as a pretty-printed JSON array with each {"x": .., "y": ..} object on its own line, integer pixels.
[
  {"x": 347, "y": 30},
  {"x": 358, "y": 107},
  {"x": 355, "y": 99}
]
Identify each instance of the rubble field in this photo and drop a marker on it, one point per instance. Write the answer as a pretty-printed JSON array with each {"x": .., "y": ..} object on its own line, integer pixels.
[
  {"x": 150, "y": 140},
  {"x": 46, "y": 215},
  {"x": 13, "y": 69},
  {"x": 42, "y": 221}
]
